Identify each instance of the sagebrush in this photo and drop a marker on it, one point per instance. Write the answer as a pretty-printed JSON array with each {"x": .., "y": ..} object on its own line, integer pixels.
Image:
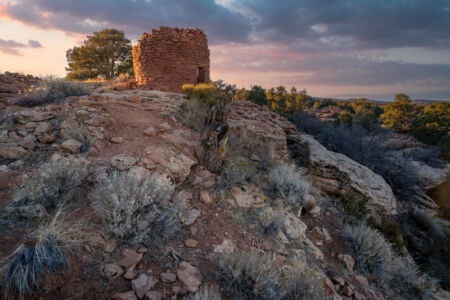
[
  {"x": 55, "y": 90},
  {"x": 288, "y": 184},
  {"x": 376, "y": 259},
  {"x": 135, "y": 209},
  {"x": 303, "y": 285},
  {"x": 249, "y": 275},
  {"x": 47, "y": 187}
]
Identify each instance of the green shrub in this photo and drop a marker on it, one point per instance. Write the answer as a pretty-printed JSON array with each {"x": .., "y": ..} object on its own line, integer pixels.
[
  {"x": 249, "y": 275},
  {"x": 50, "y": 254},
  {"x": 287, "y": 183},
  {"x": 193, "y": 113},
  {"x": 48, "y": 187},
  {"x": 136, "y": 210},
  {"x": 355, "y": 204},
  {"x": 55, "y": 90},
  {"x": 206, "y": 92}
]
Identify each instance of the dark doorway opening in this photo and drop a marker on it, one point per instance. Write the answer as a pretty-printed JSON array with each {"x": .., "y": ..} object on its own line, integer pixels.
[{"x": 201, "y": 75}]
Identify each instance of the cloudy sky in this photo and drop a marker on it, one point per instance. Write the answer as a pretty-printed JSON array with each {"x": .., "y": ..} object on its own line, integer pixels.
[{"x": 333, "y": 48}]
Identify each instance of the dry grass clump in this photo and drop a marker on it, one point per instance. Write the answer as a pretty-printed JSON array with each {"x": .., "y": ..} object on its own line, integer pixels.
[
  {"x": 80, "y": 133},
  {"x": 374, "y": 257},
  {"x": 305, "y": 285},
  {"x": 48, "y": 187},
  {"x": 206, "y": 92},
  {"x": 193, "y": 113},
  {"x": 55, "y": 90},
  {"x": 249, "y": 275},
  {"x": 51, "y": 253},
  {"x": 207, "y": 292},
  {"x": 287, "y": 183},
  {"x": 134, "y": 209}
]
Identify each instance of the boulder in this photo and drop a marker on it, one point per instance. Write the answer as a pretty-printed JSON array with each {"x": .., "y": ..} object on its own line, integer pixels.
[
  {"x": 164, "y": 127},
  {"x": 293, "y": 227},
  {"x": 72, "y": 146},
  {"x": 112, "y": 271},
  {"x": 168, "y": 277},
  {"x": 336, "y": 173},
  {"x": 12, "y": 151},
  {"x": 190, "y": 243},
  {"x": 96, "y": 240},
  {"x": 154, "y": 295},
  {"x": 117, "y": 140},
  {"x": 190, "y": 276},
  {"x": 140, "y": 172},
  {"x": 28, "y": 142},
  {"x": 246, "y": 196},
  {"x": 26, "y": 116},
  {"x": 188, "y": 216},
  {"x": 347, "y": 260},
  {"x": 150, "y": 131},
  {"x": 123, "y": 162},
  {"x": 47, "y": 138},
  {"x": 129, "y": 258},
  {"x": 171, "y": 161},
  {"x": 142, "y": 284},
  {"x": 124, "y": 296},
  {"x": 43, "y": 127}
]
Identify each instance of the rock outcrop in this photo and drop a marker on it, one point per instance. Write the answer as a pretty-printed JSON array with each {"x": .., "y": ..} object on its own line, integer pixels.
[
  {"x": 332, "y": 172},
  {"x": 336, "y": 173}
]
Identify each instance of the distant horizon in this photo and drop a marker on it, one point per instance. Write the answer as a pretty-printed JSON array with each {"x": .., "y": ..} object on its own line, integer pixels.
[{"x": 374, "y": 49}]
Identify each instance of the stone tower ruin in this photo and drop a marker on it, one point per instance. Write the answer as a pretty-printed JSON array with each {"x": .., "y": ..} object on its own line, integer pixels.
[{"x": 170, "y": 57}]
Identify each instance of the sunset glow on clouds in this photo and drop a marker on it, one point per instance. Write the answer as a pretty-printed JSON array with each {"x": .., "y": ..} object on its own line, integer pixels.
[{"x": 331, "y": 48}]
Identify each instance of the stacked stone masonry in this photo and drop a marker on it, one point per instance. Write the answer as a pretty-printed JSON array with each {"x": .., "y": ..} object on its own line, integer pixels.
[{"x": 170, "y": 57}]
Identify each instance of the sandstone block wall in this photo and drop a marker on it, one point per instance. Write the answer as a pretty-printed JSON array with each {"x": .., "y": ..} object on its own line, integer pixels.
[{"x": 170, "y": 57}]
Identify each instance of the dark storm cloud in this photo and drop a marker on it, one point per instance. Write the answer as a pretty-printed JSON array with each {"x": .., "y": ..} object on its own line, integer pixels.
[
  {"x": 362, "y": 24},
  {"x": 12, "y": 47},
  {"x": 365, "y": 24},
  {"x": 133, "y": 16}
]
